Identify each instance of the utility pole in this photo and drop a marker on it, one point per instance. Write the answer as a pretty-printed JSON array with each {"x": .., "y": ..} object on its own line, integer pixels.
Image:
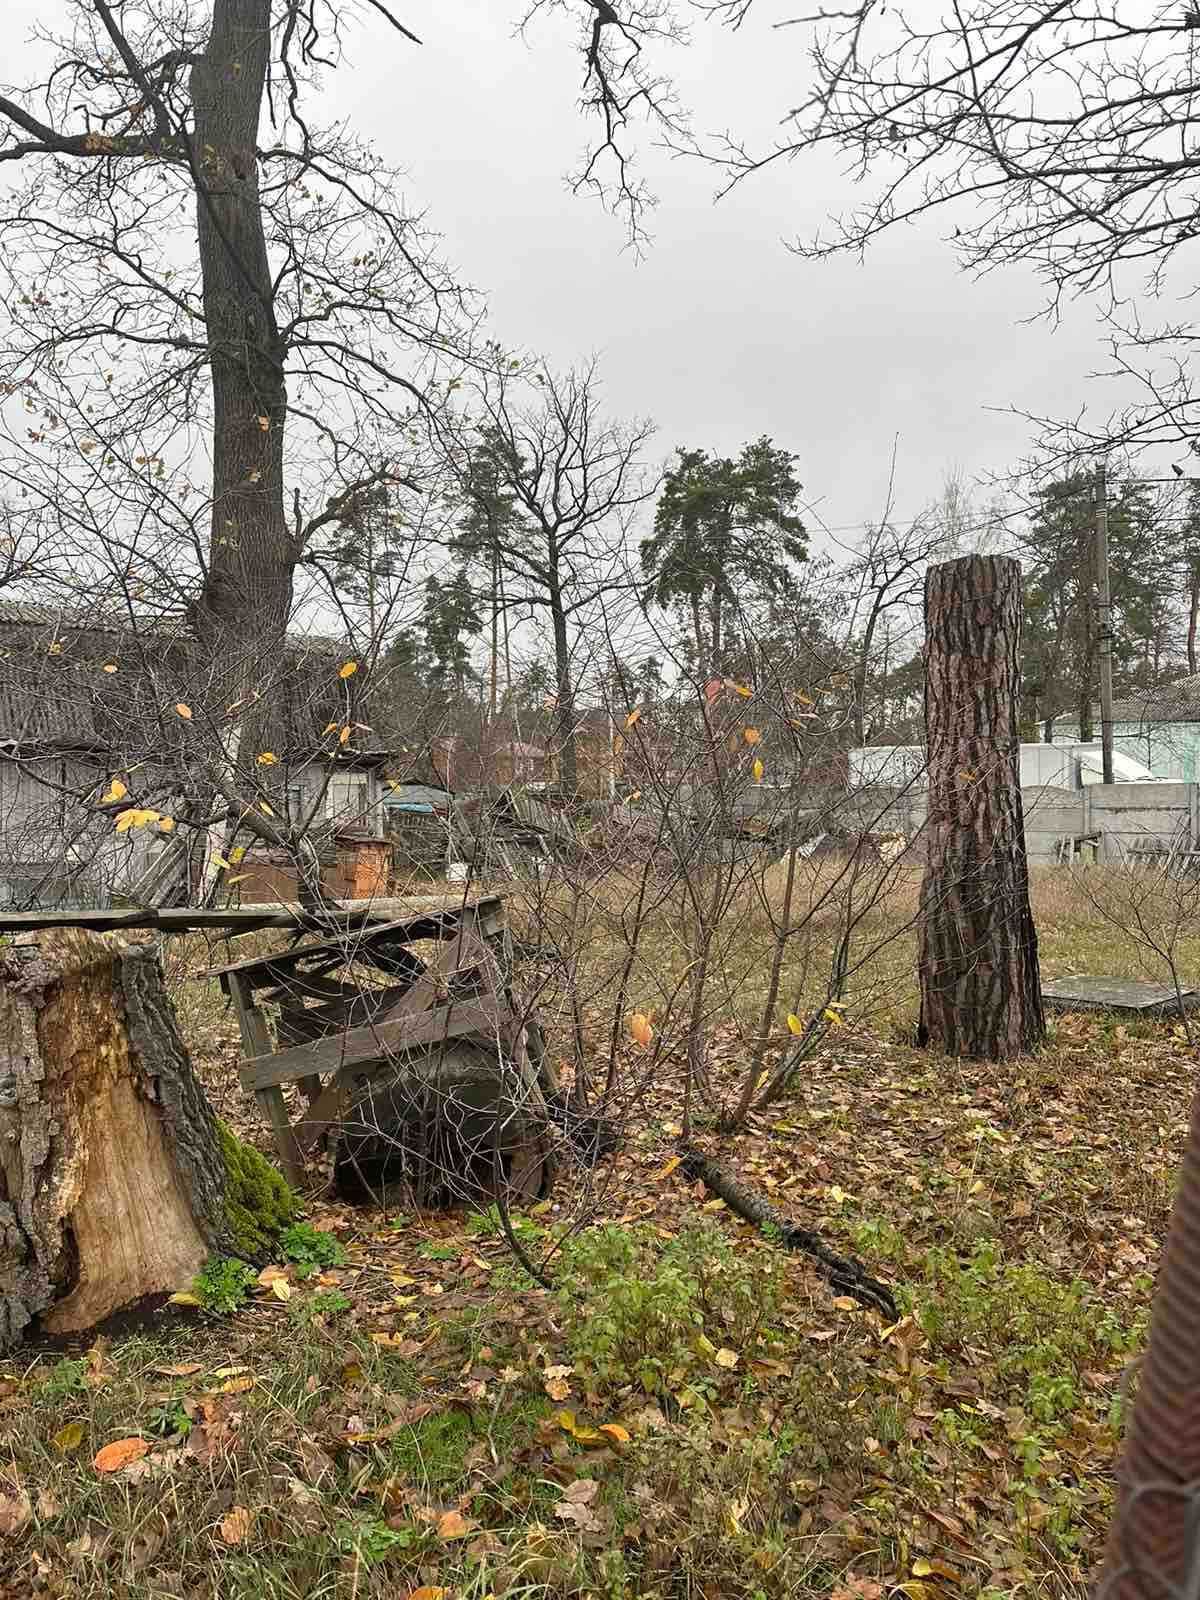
[
  {"x": 1104, "y": 620},
  {"x": 1104, "y": 625}
]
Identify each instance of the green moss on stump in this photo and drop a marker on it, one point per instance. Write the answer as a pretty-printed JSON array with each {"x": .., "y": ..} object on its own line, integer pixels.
[{"x": 258, "y": 1203}]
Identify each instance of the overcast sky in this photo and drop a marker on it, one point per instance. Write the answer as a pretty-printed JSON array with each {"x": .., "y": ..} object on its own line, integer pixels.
[{"x": 719, "y": 334}]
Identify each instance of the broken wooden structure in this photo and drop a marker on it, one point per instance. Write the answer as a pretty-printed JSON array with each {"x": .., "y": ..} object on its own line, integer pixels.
[{"x": 418, "y": 1066}]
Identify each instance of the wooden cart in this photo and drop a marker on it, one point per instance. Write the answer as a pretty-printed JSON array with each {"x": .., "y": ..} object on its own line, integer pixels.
[{"x": 434, "y": 1058}]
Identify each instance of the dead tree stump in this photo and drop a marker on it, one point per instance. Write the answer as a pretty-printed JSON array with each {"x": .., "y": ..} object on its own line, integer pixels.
[
  {"x": 116, "y": 1179},
  {"x": 980, "y": 989}
]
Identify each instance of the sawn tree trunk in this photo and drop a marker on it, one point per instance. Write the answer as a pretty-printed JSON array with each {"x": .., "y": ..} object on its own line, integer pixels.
[
  {"x": 116, "y": 1179},
  {"x": 980, "y": 988}
]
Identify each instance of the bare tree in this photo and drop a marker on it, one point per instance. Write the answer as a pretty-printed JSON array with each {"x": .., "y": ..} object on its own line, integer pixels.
[
  {"x": 180, "y": 291},
  {"x": 551, "y": 485}
]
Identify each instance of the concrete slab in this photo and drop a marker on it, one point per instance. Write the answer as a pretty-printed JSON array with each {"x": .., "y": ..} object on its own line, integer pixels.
[{"x": 1128, "y": 995}]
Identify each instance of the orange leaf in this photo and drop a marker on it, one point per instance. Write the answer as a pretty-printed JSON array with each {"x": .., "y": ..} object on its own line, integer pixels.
[
  {"x": 634, "y": 716},
  {"x": 639, "y": 1027},
  {"x": 344, "y": 736},
  {"x": 740, "y": 688},
  {"x": 266, "y": 758},
  {"x": 751, "y": 735},
  {"x": 120, "y": 1453},
  {"x": 428, "y": 1591},
  {"x": 615, "y": 1431},
  {"x": 236, "y": 1525},
  {"x": 184, "y": 711},
  {"x": 453, "y": 1525}
]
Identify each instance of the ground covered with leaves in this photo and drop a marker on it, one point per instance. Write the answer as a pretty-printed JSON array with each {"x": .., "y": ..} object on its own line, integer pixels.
[{"x": 394, "y": 1408}]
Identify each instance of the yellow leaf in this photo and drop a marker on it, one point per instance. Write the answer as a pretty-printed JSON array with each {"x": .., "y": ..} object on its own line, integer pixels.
[
  {"x": 134, "y": 817},
  {"x": 69, "y": 1438},
  {"x": 166, "y": 824},
  {"x": 751, "y": 735},
  {"x": 615, "y": 1431},
  {"x": 639, "y": 1027},
  {"x": 281, "y": 1289},
  {"x": 236, "y": 1526},
  {"x": 236, "y": 1386},
  {"x": 844, "y": 1302},
  {"x": 237, "y": 855},
  {"x": 266, "y": 758},
  {"x": 668, "y": 1169},
  {"x": 109, "y": 666},
  {"x": 184, "y": 711},
  {"x": 936, "y": 1569},
  {"x": 344, "y": 735},
  {"x": 804, "y": 699},
  {"x": 332, "y": 728},
  {"x": 740, "y": 688},
  {"x": 634, "y": 716},
  {"x": 115, "y": 791},
  {"x": 348, "y": 669},
  {"x": 182, "y": 1299},
  {"x": 794, "y": 1024},
  {"x": 119, "y": 1454},
  {"x": 453, "y": 1525},
  {"x": 726, "y": 1358},
  {"x": 758, "y": 769},
  {"x": 833, "y": 1017},
  {"x": 56, "y": 648},
  {"x": 264, "y": 807}
]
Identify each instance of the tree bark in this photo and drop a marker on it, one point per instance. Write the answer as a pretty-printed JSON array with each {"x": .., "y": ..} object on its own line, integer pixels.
[
  {"x": 1151, "y": 1547},
  {"x": 565, "y": 731},
  {"x": 251, "y": 556},
  {"x": 116, "y": 1181},
  {"x": 980, "y": 988}
]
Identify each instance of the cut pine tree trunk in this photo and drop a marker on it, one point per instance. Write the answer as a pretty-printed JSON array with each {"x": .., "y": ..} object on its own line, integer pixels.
[
  {"x": 980, "y": 987},
  {"x": 116, "y": 1179}
]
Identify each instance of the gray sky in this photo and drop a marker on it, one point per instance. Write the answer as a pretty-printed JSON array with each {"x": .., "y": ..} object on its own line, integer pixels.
[{"x": 719, "y": 334}]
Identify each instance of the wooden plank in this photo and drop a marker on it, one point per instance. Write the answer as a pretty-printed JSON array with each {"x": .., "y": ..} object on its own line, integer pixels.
[
  {"x": 1086, "y": 993},
  {"x": 359, "y": 1045},
  {"x": 238, "y": 920},
  {"x": 424, "y": 925},
  {"x": 256, "y": 1038}
]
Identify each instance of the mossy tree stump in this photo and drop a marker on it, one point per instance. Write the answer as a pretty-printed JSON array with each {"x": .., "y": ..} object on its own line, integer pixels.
[{"x": 116, "y": 1178}]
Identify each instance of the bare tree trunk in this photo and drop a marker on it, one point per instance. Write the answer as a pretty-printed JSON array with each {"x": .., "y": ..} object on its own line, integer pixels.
[
  {"x": 1193, "y": 614},
  {"x": 1151, "y": 1547},
  {"x": 116, "y": 1180},
  {"x": 568, "y": 760},
  {"x": 980, "y": 989},
  {"x": 250, "y": 560}
]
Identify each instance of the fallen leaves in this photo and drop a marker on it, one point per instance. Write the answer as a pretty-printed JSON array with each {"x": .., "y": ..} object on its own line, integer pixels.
[
  {"x": 640, "y": 1029},
  {"x": 236, "y": 1526},
  {"x": 16, "y": 1513},
  {"x": 68, "y": 1438},
  {"x": 120, "y": 1453},
  {"x": 453, "y": 1525},
  {"x": 575, "y": 1506},
  {"x": 554, "y": 1381}
]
